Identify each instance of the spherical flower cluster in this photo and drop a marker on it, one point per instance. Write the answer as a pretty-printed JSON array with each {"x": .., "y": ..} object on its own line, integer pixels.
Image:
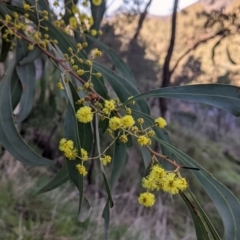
[
  {"x": 84, "y": 114},
  {"x": 81, "y": 169},
  {"x": 123, "y": 138},
  {"x": 88, "y": 62},
  {"x": 140, "y": 121},
  {"x": 160, "y": 122},
  {"x": 98, "y": 74},
  {"x": 143, "y": 140},
  {"x": 127, "y": 121},
  {"x": 67, "y": 147},
  {"x": 97, "y": 2},
  {"x": 146, "y": 199},
  {"x": 84, "y": 154},
  {"x": 85, "y": 3},
  {"x": 173, "y": 184},
  {"x": 128, "y": 111},
  {"x": 75, "y": 9},
  {"x": 80, "y": 72},
  {"x": 159, "y": 179},
  {"x": 134, "y": 129},
  {"x": 109, "y": 106},
  {"x": 97, "y": 52},
  {"x": 60, "y": 86},
  {"x": 93, "y": 32},
  {"x": 151, "y": 133},
  {"x": 105, "y": 160},
  {"x": 73, "y": 22},
  {"x": 26, "y": 7},
  {"x": 114, "y": 123}
]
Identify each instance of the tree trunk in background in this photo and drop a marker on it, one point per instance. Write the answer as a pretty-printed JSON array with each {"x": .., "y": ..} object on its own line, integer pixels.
[
  {"x": 140, "y": 24},
  {"x": 141, "y": 20},
  {"x": 167, "y": 73}
]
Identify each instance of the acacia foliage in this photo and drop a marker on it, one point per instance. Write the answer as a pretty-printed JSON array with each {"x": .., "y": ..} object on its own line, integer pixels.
[{"x": 32, "y": 30}]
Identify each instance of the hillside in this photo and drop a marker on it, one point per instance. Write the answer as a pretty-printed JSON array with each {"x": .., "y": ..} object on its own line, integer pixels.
[{"x": 147, "y": 54}]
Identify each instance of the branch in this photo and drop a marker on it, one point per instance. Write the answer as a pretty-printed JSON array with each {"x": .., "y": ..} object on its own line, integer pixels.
[
  {"x": 141, "y": 20},
  {"x": 204, "y": 40},
  {"x": 59, "y": 61},
  {"x": 166, "y": 68},
  {"x": 166, "y": 77}
]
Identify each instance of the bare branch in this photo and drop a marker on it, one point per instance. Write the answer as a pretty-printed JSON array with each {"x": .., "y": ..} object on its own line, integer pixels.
[
  {"x": 141, "y": 20},
  {"x": 221, "y": 33},
  {"x": 166, "y": 67}
]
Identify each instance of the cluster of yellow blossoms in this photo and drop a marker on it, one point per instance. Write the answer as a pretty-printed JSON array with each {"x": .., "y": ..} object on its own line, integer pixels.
[
  {"x": 67, "y": 147},
  {"x": 16, "y": 22},
  {"x": 71, "y": 153},
  {"x": 159, "y": 179},
  {"x": 125, "y": 123},
  {"x": 75, "y": 61},
  {"x": 78, "y": 18}
]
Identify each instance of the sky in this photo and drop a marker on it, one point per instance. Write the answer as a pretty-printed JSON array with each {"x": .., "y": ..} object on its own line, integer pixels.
[{"x": 158, "y": 7}]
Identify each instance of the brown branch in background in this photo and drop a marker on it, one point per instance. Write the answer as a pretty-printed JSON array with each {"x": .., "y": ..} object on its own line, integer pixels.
[
  {"x": 204, "y": 40},
  {"x": 141, "y": 20},
  {"x": 166, "y": 77}
]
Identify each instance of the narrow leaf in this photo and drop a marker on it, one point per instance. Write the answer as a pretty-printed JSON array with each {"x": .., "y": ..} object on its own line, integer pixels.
[
  {"x": 5, "y": 46},
  {"x": 60, "y": 178},
  {"x": 85, "y": 210},
  {"x": 201, "y": 231},
  {"x": 26, "y": 75},
  {"x": 123, "y": 88},
  {"x": 116, "y": 60},
  {"x": 146, "y": 157},
  {"x": 120, "y": 158},
  {"x": 108, "y": 189},
  {"x": 106, "y": 217},
  {"x": 101, "y": 166},
  {"x": 97, "y": 14},
  {"x": 71, "y": 132},
  {"x": 16, "y": 90},
  {"x": 223, "y": 96},
  {"x": 84, "y": 129},
  {"x": 9, "y": 136},
  {"x": 31, "y": 56},
  {"x": 205, "y": 217},
  {"x": 81, "y": 135}
]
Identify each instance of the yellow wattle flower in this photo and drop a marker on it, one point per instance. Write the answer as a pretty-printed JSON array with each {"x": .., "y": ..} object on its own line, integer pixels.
[
  {"x": 97, "y": 2},
  {"x": 127, "y": 121},
  {"x": 161, "y": 122},
  {"x": 84, "y": 114},
  {"x": 81, "y": 169},
  {"x": 114, "y": 123},
  {"x": 73, "y": 22},
  {"x": 146, "y": 199}
]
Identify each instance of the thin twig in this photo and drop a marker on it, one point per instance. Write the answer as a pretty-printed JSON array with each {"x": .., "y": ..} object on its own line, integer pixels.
[{"x": 164, "y": 157}]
